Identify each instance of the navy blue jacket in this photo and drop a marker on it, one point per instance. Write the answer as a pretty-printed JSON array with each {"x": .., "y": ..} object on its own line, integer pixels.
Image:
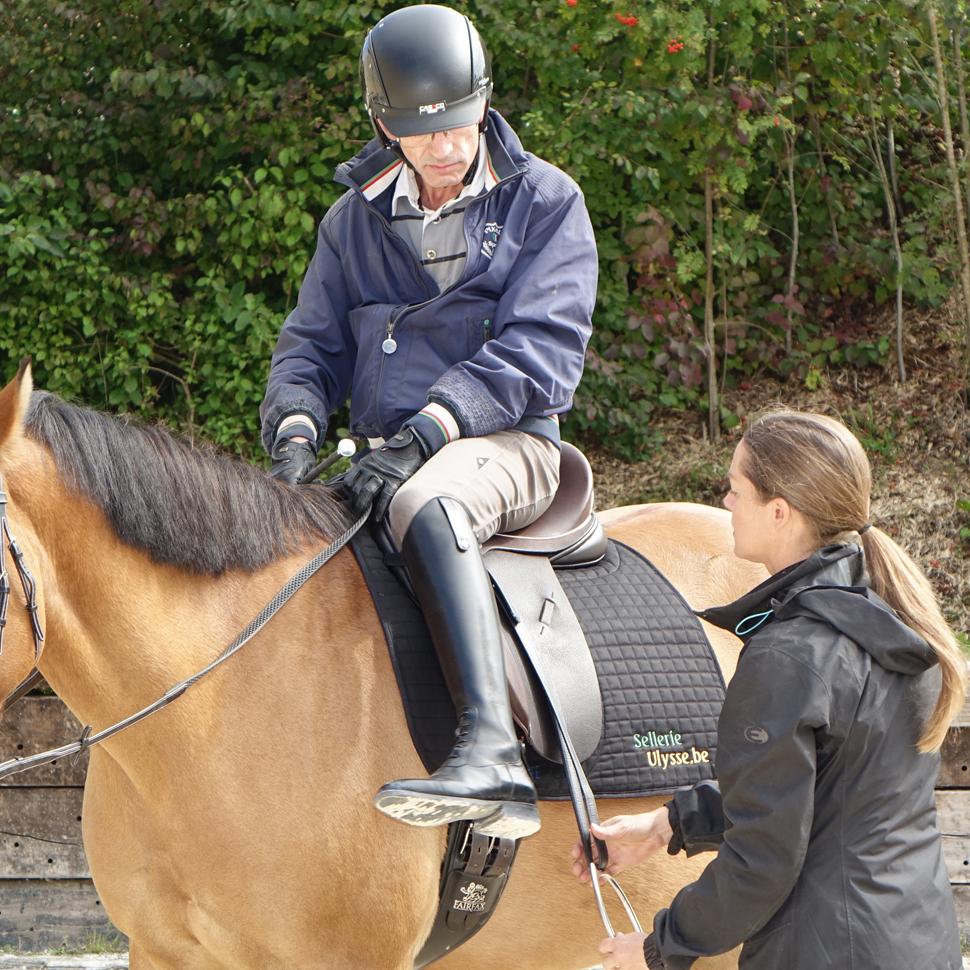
[
  {"x": 502, "y": 348},
  {"x": 828, "y": 851}
]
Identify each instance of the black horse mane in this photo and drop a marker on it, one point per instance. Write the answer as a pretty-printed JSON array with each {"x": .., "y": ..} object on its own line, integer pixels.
[{"x": 182, "y": 503}]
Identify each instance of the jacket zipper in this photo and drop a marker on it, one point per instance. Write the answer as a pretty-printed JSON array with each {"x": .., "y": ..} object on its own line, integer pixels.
[{"x": 395, "y": 318}]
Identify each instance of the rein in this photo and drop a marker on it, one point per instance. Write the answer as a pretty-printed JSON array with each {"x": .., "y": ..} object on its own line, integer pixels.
[{"x": 87, "y": 739}]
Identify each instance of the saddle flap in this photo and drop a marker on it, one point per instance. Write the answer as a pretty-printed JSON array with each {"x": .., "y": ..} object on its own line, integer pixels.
[{"x": 542, "y": 619}]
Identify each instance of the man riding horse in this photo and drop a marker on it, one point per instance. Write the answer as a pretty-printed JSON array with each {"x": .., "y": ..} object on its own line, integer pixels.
[{"x": 451, "y": 293}]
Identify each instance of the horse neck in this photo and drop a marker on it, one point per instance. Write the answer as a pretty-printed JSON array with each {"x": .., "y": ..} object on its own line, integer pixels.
[{"x": 122, "y": 629}]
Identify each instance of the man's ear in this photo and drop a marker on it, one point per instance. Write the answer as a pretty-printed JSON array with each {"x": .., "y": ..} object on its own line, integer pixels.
[{"x": 14, "y": 399}]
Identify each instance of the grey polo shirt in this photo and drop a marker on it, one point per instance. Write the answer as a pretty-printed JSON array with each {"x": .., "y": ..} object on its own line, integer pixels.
[{"x": 437, "y": 237}]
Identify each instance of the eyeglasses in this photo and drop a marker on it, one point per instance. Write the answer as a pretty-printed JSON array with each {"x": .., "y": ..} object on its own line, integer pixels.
[{"x": 420, "y": 141}]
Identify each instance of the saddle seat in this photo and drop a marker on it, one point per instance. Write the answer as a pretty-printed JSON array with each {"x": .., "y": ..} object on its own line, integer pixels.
[{"x": 568, "y": 533}]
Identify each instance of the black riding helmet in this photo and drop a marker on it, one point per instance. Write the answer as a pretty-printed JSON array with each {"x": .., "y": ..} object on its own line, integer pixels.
[{"x": 424, "y": 69}]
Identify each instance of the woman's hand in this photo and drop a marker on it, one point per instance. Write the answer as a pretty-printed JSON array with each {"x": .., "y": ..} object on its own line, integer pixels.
[
  {"x": 630, "y": 839},
  {"x": 624, "y": 951}
]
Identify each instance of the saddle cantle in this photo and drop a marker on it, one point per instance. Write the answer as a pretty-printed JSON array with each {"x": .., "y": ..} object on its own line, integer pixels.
[{"x": 568, "y": 533}]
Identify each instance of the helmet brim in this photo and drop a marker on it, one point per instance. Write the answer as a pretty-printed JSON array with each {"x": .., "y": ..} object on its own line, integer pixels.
[{"x": 425, "y": 119}]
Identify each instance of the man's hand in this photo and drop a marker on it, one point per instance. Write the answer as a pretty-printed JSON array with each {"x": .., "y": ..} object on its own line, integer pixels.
[
  {"x": 629, "y": 840},
  {"x": 292, "y": 459},
  {"x": 379, "y": 474}
]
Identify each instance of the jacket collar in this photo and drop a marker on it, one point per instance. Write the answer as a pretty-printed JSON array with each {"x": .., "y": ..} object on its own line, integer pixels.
[
  {"x": 838, "y": 565},
  {"x": 374, "y": 169}
]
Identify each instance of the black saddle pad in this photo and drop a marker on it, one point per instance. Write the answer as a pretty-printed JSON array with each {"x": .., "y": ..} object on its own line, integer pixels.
[{"x": 662, "y": 688}]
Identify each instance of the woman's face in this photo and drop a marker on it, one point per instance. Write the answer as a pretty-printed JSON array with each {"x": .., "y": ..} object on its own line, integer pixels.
[
  {"x": 771, "y": 532},
  {"x": 751, "y": 518}
]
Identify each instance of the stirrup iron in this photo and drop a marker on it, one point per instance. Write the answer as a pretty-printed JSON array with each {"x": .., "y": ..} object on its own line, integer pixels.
[{"x": 595, "y": 875}]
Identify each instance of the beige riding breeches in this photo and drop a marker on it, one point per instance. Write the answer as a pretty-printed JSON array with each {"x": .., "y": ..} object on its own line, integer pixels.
[{"x": 504, "y": 480}]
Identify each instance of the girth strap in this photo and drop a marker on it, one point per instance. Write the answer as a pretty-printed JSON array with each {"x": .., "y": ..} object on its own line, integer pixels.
[{"x": 473, "y": 877}]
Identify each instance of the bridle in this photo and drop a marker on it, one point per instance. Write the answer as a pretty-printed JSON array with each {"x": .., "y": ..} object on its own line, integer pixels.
[{"x": 7, "y": 541}]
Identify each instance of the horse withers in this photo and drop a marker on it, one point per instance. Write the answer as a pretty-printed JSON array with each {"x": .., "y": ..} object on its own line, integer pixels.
[{"x": 234, "y": 829}]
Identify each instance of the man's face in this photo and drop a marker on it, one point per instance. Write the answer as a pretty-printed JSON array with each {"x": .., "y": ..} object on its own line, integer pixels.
[{"x": 442, "y": 158}]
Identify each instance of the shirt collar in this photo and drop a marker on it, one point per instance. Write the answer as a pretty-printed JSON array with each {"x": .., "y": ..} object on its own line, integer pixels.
[{"x": 406, "y": 186}]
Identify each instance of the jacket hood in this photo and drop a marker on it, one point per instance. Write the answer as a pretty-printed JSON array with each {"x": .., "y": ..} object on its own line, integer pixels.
[{"x": 830, "y": 586}]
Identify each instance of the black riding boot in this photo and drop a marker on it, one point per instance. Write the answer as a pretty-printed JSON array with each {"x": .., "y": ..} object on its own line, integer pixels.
[{"x": 483, "y": 778}]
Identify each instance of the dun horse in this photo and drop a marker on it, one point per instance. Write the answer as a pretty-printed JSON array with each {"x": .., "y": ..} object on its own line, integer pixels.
[{"x": 234, "y": 828}]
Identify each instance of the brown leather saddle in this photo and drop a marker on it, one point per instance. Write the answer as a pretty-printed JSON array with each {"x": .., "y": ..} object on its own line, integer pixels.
[{"x": 568, "y": 533}]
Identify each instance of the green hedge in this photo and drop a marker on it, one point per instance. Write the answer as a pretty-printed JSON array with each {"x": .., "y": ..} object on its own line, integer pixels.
[{"x": 163, "y": 166}]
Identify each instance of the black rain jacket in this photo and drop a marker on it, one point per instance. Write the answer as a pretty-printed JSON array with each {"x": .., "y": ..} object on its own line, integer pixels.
[{"x": 824, "y": 821}]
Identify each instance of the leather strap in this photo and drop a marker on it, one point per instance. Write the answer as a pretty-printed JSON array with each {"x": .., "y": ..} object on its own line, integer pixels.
[
  {"x": 474, "y": 874},
  {"x": 21, "y": 690},
  {"x": 26, "y": 580},
  {"x": 580, "y": 792}
]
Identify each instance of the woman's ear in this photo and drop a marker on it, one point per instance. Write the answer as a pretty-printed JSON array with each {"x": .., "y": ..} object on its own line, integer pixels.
[{"x": 781, "y": 512}]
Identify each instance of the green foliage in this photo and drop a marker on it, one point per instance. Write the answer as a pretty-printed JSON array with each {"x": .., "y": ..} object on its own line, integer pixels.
[
  {"x": 163, "y": 168},
  {"x": 964, "y": 506},
  {"x": 875, "y": 436},
  {"x": 95, "y": 942}
]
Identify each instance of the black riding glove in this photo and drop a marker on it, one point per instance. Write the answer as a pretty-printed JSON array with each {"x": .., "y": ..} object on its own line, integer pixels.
[
  {"x": 651, "y": 954},
  {"x": 292, "y": 460},
  {"x": 380, "y": 473}
]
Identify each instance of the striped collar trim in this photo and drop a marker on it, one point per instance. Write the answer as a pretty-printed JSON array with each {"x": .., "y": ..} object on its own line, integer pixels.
[
  {"x": 491, "y": 179},
  {"x": 382, "y": 181}
]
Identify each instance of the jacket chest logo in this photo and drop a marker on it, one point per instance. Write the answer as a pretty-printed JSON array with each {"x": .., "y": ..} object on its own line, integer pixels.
[{"x": 490, "y": 240}]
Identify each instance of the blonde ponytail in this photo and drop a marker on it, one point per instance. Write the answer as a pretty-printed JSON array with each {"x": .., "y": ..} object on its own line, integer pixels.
[{"x": 904, "y": 586}]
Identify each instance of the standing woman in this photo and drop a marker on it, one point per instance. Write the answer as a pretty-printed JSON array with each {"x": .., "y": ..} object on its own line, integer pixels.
[{"x": 823, "y": 816}]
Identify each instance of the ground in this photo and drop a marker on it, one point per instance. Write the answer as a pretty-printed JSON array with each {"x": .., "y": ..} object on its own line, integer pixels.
[{"x": 917, "y": 434}]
